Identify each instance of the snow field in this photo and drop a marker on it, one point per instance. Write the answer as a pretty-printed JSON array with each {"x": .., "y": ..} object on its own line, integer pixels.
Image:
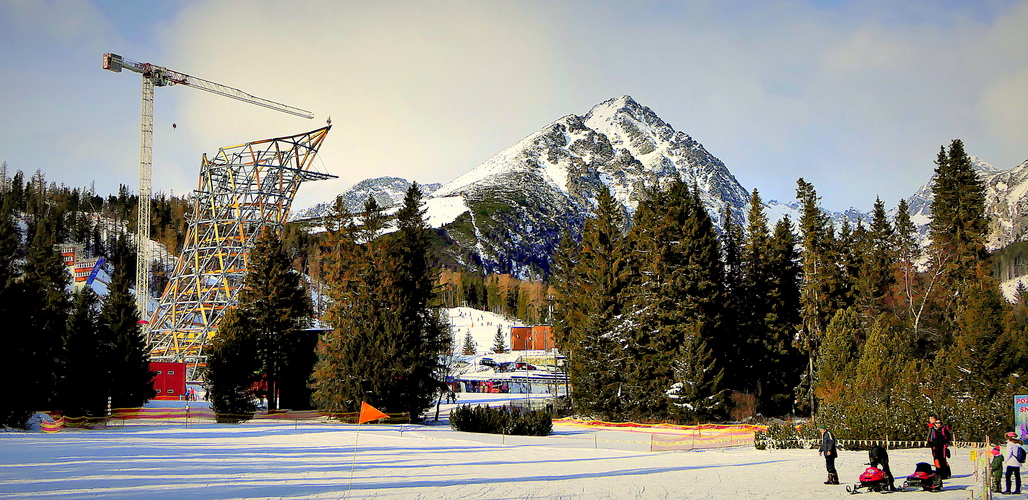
[{"x": 313, "y": 460}]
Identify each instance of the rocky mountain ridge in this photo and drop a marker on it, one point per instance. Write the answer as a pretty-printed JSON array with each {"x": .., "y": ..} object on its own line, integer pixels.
[{"x": 506, "y": 215}]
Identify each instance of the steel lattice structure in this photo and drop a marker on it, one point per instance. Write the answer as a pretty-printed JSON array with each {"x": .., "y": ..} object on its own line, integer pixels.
[{"x": 244, "y": 189}]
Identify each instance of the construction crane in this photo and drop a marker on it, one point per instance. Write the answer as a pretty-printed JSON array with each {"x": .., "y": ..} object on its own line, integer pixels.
[{"x": 159, "y": 76}]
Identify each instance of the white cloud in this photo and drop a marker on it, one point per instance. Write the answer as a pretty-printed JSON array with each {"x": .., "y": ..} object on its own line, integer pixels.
[{"x": 855, "y": 98}]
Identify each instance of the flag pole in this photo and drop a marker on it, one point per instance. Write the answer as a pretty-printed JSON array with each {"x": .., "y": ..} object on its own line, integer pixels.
[{"x": 354, "y": 461}]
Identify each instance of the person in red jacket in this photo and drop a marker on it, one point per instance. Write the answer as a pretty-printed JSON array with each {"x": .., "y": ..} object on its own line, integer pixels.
[{"x": 939, "y": 439}]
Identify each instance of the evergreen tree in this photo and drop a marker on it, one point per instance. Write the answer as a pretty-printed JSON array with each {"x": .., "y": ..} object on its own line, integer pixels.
[
  {"x": 736, "y": 323},
  {"x": 347, "y": 356},
  {"x": 386, "y": 341},
  {"x": 233, "y": 368},
  {"x": 15, "y": 405},
  {"x": 822, "y": 286},
  {"x": 594, "y": 340},
  {"x": 129, "y": 364},
  {"x": 45, "y": 303},
  {"x": 499, "y": 342},
  {"x": 753, "y": 352},
  {"x": 958, "y": 226},
  {"x": 275, "y": 306},
  {"x": 678, "y": 293},
  {"x": 695, "y": 393},
  {"x": 420, "y": 331},
  {"x": 567, "y": 313},
  {"x": 84, "y": 390},
  {"x": 783, "y": 362},
  {"x": 470, "y": 349}
]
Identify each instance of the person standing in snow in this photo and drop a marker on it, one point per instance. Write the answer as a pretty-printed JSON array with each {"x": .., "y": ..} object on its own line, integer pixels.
[
  {"x": 1012, "y": 463},
  {"x": 939, "y": 438},
  {"x": 828, "y": 450},
  {"x": 996, "y": 467}
]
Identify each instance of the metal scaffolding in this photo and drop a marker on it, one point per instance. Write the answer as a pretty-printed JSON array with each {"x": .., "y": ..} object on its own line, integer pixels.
[{"x": 244, "y": 189}]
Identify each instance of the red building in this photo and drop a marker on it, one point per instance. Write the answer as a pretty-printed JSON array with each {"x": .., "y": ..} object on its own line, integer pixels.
[
  {"x": 170, "y": 381},
  {"x": 531, "y": 338}
]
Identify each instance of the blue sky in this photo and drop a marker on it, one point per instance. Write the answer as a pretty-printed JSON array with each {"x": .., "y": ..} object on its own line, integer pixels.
[{"x": 855, "y": 97}]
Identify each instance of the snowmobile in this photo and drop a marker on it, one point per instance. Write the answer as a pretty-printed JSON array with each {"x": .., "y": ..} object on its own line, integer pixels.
[
  {"x": 873, "y": 478},
  {"x": 923, "y": 477}
]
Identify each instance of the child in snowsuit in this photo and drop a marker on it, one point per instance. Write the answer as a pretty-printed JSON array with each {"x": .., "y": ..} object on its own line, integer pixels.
[{"x": 997, "y": 469}]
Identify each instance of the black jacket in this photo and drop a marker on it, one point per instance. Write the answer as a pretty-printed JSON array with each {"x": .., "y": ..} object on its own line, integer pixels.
[{"x": 827, "y": 443}]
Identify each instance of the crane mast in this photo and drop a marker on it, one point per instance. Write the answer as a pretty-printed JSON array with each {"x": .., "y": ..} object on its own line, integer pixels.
[{"x": 159, "y": 76}]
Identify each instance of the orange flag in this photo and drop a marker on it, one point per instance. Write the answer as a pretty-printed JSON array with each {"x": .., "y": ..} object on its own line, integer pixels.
[{"x": 369, "y": 413}]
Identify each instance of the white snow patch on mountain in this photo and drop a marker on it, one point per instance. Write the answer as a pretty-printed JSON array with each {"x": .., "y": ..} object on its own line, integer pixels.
[{"x": 440, "y": 211}]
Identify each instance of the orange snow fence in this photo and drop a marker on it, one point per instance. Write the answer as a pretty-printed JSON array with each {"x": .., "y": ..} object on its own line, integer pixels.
[
  {"x": 54, "y": 426},
  {"x": 670, "y": 437}
]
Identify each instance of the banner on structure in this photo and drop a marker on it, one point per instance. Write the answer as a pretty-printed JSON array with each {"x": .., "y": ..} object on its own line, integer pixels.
[{"x": 1021, "y": 416}]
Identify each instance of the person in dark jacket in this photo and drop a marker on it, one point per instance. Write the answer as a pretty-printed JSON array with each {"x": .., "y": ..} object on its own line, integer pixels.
[
  {"x": 877, "y": 455},
  {"x": 828, "y": 450},
  {"x": 939, "y": 439}
]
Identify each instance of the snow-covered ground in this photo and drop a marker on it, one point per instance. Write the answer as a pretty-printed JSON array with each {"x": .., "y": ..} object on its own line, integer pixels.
[{"x": 316, "y": 460}]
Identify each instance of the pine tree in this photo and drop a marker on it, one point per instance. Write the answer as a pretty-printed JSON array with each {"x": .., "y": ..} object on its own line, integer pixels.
[
  {"x": 275, "y": 305},
  {"x": 129, "y": 365},
  {"x": 15, "y": 405},
  {"x": 470, "y": 349},
  {"x": 46, "y": 303},
  {"x": 753, "y": 351},
  {"x": 695, "y": 393},
  {"x": 679, "y": 289},
  {"x": 958, "y": 225},
  {"x": 594, "y": 341},
  {"x": 420, "y": 329},
  {"x": 736, "y": 324},
  {"x": 386, "y": 340},
  {"x": 499, "y": 342},
  {"x": 783, "y": 364},
  {"x": 837, "y": 362},
  {"x": 822, "y": 289},
  {"x": 83, "y": 392},
  {"x": 233, "y": 368},
  {"x": 347, "y": 355}
]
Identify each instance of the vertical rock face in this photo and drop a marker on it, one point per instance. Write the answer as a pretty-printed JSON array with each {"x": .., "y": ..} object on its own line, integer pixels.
[{"x": 522, "y": 198}]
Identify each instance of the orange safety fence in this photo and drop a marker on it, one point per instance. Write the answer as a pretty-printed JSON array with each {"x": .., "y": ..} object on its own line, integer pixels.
[
  {"x": 201, "y": 414},
  {"x": 671, "y": 437},
  {"x": 54, "y": 426},
  {"x": 205, "y": 413}
]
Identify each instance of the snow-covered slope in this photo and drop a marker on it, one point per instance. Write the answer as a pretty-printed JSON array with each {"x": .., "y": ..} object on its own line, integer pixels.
[
  {"x": 521, "y": 199},
  {"x": 620, "y": 143}
]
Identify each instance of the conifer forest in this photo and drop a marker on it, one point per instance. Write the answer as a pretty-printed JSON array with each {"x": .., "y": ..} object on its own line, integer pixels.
[{"x": 662, "y": 316}]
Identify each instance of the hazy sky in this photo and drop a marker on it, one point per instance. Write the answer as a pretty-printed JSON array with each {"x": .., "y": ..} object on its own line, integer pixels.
[{"x": 856, "y": 97}]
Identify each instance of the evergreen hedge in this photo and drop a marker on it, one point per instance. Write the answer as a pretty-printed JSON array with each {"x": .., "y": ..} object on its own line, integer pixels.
[
  {"x": 503, "y": 420},
  {"x": 785, "y": 436}
]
